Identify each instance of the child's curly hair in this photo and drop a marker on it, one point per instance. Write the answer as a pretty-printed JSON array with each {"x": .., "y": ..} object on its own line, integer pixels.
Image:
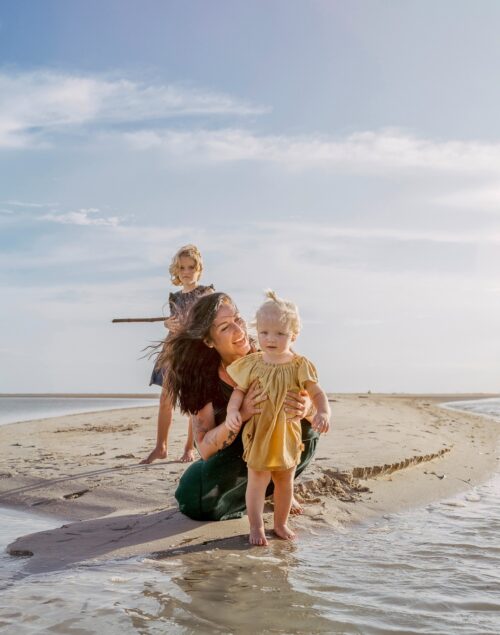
[
  {"x": 190, "y": 251},
  {"x": 286, "y": 311}
]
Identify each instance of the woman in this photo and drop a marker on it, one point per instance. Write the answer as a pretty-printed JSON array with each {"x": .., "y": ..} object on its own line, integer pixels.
[{"x": 197, "y": 357}]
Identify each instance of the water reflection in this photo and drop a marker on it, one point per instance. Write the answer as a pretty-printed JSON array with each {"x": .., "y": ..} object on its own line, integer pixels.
[{"x": 230, "y": 591}]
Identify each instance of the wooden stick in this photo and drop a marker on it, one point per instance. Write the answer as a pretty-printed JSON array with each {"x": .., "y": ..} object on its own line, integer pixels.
[{"x": 156, "y": 319}]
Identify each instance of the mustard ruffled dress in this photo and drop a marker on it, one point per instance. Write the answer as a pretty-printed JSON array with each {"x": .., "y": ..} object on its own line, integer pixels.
[{"x": 270, "y": 441}]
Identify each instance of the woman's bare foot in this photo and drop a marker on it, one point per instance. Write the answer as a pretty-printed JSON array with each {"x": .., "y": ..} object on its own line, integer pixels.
[
  {"x": 188, "y": 456},
  {"x": 296, "y": 508},
  {"x": 157, "y": 453},
  {"x": 284, "y": 532},
  {"x": 257, "y": 536}
]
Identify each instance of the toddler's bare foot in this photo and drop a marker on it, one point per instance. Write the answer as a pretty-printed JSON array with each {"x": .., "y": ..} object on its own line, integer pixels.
[
  {"x": 188, "y": 456},
  {"x": 296, "y": 508},
  {"x": 257, "y": 536},
  {"x": 157, "y": 453},
  {"x": 284, "y": 532}
]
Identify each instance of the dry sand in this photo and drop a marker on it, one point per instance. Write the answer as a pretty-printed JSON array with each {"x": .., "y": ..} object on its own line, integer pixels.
[{"x": 385, "y": 453}]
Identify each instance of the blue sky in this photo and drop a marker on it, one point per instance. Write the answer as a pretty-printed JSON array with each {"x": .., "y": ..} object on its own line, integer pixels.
[{"x": 345, "y": 153}]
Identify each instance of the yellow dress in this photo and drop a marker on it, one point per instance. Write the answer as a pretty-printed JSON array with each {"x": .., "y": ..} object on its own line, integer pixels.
[{"x": 270, "y": 441}]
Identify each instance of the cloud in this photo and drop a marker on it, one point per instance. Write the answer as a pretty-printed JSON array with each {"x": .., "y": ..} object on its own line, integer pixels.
[
  {"x": 37, "y": 103},
  {"x": 84, "y": 216},
  {"x": 328, "y": 232},
  {"x": 24, "y": 204},
  {"x": 485, "y": 199},
  {"x": 368, "y": 151}
]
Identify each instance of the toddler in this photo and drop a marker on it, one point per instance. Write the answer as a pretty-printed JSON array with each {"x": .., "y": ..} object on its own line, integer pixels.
[{"x": 272, "y": 443}]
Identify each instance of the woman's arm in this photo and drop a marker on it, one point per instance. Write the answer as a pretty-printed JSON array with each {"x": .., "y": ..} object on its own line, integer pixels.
[{"x": 208, "y": 437}]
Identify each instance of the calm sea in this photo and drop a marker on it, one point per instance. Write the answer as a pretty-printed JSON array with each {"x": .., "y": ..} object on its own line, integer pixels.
[
  {"x": 434, "y": 570},
  {"x": 13, "y": 409}
]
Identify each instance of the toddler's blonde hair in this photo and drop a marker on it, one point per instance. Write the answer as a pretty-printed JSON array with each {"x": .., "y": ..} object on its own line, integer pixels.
[
  {"x": 190, "y": 251},
  {"x": 286, "y": 311}
]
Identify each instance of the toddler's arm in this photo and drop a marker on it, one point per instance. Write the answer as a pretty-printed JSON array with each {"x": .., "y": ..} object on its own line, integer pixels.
[
  {"x": 233, "y": 416},
  {"x": 321, "y": 420}
]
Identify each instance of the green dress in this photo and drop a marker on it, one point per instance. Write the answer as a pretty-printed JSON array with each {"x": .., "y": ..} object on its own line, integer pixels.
[{"x": 215, "y": 489}]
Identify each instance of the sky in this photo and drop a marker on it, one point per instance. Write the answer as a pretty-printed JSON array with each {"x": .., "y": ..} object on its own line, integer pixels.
[{"x": 344, "y": 153}]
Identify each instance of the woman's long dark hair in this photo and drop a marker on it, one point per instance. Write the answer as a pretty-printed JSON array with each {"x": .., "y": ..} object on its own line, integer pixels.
[{"x": 191, "y": 376}]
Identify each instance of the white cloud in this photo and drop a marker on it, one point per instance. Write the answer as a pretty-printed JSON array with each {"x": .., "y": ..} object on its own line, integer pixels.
[
  {"x": 84, "y": 216},
  {"x": 368, "y": 151},
  {"x": 25, "y": 204},
  {"x": 485, "y": 199},
  {"x": 311, "y": 230},
  {"x": 364, "y": 327},
  {"x": 36, "y": 103}
]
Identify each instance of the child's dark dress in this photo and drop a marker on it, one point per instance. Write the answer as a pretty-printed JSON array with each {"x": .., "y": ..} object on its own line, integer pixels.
[{"x": 179, "y": 304}]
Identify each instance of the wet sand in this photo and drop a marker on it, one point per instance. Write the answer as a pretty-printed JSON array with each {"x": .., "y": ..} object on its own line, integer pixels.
[{"x": 385, "y": 453}]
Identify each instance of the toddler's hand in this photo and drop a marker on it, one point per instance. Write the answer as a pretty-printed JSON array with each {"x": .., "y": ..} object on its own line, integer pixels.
[
  {"x": 233, "y": 421},
  {"x": 321, "y": 422}
]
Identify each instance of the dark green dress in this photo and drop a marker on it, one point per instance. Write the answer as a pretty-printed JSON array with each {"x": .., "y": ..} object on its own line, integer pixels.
[{"x": 215, "y": 489}]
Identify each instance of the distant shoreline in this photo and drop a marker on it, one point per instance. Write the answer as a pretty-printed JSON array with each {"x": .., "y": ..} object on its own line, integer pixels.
[
  {"x": 398, "y": 395},
  {"x": 82, "y": 395}
]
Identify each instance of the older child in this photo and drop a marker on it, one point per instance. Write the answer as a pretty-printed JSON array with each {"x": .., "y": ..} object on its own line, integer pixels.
[
  {"x": 185, "y": 270},
  {"x": 272, "y": 443}
]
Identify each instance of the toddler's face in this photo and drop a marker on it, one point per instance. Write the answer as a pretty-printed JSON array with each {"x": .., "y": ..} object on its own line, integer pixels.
[
  {"x": 274, "y": 336},
  {"x": 187, "y": 271}
]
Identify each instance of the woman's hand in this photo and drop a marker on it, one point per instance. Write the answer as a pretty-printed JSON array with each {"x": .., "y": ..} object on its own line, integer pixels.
[
  {"x": 297, "y": 404},
  {"x": 251, "y": 403}
]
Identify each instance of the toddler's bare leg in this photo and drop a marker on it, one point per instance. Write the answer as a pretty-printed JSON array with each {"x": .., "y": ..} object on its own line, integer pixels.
[
  {"x": 283, "y": 494},
  {"x": 255, "y": 496}
]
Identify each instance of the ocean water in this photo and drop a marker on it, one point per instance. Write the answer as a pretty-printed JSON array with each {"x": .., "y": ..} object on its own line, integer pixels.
[
  {"x": 14, "y": 409},
  {"x": 487, "y": 407},
  {"x": 434, "y": 571}
]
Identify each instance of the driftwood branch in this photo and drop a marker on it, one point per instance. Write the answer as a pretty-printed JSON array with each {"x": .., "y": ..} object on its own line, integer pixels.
[{"x": 155, "y": 319}]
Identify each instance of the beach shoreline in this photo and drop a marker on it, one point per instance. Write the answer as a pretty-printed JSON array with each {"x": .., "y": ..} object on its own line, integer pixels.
[{"x": 385, "y": 454}]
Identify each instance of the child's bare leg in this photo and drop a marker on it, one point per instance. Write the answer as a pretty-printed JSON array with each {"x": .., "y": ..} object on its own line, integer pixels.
[
  {"x": 255, "y": 496},
  {"x": 189, "y": 455},
  {"x": 162, "y": 429},
  {"x": 283, "y": 494}
]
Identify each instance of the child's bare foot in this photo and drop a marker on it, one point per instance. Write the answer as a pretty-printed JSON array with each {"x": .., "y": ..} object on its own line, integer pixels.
[
  {"x": 296, "y": 508},
  {"x": 257, "y": 536},
  {"x": 284, "y": 532},
  {"x": 188, "y": 456},
  {"x": 157, "y": 453}
]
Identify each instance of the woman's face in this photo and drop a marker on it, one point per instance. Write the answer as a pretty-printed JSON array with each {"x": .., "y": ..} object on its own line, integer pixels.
[{"x": 228, "y": 334}]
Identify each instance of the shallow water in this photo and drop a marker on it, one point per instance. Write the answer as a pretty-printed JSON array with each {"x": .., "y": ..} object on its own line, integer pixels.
[
  {"x": 16, "y": 409},
  {"x": 434, "y": 570},
  {"x": 489, "y": 407}
]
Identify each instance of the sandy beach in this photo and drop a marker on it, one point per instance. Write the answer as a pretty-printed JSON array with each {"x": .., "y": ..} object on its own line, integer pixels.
[{"x": 385, "y": 453}]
